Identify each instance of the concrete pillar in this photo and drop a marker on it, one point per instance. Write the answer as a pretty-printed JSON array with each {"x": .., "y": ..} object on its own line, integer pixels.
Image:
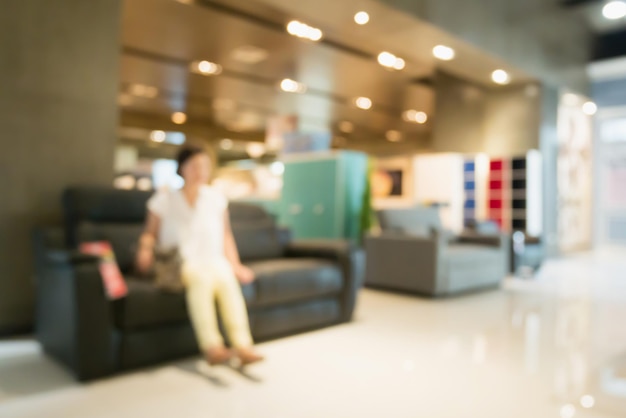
[
  {"x": 59, "y": 65},
  {"x": 460, "y": 111}
]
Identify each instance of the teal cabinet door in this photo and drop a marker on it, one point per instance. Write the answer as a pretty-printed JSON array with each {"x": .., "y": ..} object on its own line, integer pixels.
[{"x": 309, "y": 199}]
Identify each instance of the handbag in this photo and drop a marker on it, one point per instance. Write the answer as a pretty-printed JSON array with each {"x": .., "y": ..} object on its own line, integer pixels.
[{"x": 168, "y": 265}]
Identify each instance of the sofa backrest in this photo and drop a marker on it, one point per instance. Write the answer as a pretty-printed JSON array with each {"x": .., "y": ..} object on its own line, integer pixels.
[
  {"x": 418, "y": 221},
  {"x": 118, "y": 216},
  {"x": 256, "y": 233},
  {"x": 106, "y": 214}
]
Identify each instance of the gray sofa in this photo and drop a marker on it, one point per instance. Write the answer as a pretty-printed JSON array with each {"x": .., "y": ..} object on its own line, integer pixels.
[
  {"x": 301, "y": 285},
  {"x": 413, "y": 253}
]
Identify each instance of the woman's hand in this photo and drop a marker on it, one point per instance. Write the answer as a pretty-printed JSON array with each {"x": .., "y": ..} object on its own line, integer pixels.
[
  {"x": 244, "y": 274},
  {"x": 145, "y": 259}
]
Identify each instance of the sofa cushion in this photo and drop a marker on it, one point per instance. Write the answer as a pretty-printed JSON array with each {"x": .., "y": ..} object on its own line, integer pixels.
[
  {"x": 469, "y": 267},
  {"x": 122, "y": 236},
  {"x": 258, "y": 240},
  {"x": 146, "y": 306},
  {"x": 291, "y": 280},
  {"x": 280, "y": 281}
]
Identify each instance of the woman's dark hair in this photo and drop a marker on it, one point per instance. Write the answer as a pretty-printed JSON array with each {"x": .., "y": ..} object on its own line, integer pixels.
[{"x": 185, "y": 153}]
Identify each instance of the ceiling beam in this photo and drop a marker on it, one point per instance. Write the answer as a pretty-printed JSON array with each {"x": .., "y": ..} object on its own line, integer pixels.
[
  {"x": 576, "y": 3},
  {"x": 248, "y": 77},
  {"x": 194, "y": 129}
]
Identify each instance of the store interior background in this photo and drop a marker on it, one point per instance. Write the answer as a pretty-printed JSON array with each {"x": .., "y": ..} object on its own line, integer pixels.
[{"x": 115, "y": 97}]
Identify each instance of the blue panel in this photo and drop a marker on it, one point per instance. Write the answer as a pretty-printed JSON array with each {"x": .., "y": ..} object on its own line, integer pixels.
[
  {"x": 469, "y": 166},
  {"x": 470, "y": 204},
  {"x": 470, "y": 185}
]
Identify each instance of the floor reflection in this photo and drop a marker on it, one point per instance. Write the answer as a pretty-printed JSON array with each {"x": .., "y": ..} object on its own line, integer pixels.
[
  {"x": 547, "y": 347},
  {"x": 589, "y": 308}
]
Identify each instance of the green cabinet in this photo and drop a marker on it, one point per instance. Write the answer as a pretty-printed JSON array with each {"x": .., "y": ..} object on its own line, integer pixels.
[{"x": 323, "y": 194}]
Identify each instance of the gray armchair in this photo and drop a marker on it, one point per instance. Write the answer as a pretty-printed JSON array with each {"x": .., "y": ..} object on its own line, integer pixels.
[{"x": 413, "y": 253}]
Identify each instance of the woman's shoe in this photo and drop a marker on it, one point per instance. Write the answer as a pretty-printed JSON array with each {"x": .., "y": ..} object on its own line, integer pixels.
[
  {"x": 218, "y": 355},
  {"x": 248, "y": 356}
]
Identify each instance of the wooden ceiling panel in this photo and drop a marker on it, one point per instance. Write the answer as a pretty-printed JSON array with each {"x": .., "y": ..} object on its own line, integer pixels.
[{"x": 161, "y": 38}]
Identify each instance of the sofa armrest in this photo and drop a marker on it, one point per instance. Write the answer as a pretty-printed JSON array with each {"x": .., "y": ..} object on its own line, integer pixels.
[
  {"x": 73, "y": 314},
  {"x": 344, "y": 254},
  {"x": 319, "y": 248},
  {"x": 403, "y": 263},
  {"x": 284, "y": 235},
  {"x": 500, "y": 242}
]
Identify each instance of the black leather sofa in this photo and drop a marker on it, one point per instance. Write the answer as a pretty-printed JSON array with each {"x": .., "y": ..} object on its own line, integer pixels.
[{"x": 300, "y": 286}]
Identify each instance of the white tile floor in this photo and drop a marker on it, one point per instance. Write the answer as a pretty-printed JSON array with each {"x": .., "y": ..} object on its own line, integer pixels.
[{"x": 531, "y": 350}]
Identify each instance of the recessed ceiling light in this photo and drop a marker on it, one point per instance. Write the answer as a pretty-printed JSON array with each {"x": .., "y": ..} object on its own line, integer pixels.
[
  {"x": 292, "y": 86},
  {"x": 346, "y": 127},
  {"x": 501, "y": 77},
  {"x": 158, "y": 136},
  {"x": 389, "y": 60},
  {"x": 206, "y": 68},
  {"x": 302, "y": 30},
  {"x": 414, "y": 116},
  {"x": 364, "y": 103},
  {"x": 386, "y": 59},
  {"x": 399, "y": 64},
  {"x": 179, "y": 118},
  {"x": 185, "y": 1},
  {"x": 443, "y": 53},
  {"x": 590, "y": 108},
  {"x": 362, "y": 18},
  {"x": 141, "y": 90},
  {"x": 409, "y": 115},
  {"x": 394, "y": 136},
  {"x": 614, "y": 10}
]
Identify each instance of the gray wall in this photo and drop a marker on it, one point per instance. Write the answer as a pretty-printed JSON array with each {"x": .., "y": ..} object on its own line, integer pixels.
[
  {"x": 538, "y": 36},
  {"x": 58, "y": 121},
  {"x": 502, "y": 121}
]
